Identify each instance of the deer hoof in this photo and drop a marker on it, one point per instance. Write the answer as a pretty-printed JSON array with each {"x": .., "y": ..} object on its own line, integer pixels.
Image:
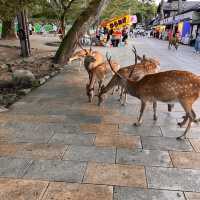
[
  {"x": 196, "y": 121},
  {"x": 137, "y": 124},
  {"x": 180, "y": 124},
  {"x": 181, "y": 138},
  {"x": 155, "y": 118}
]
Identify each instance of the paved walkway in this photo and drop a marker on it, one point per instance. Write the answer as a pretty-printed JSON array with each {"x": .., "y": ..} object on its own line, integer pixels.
[{"x": 54, "y": 145}]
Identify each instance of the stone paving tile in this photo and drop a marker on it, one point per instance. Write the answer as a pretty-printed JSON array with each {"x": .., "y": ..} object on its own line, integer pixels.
[
  {"x": 83, "y": 118},
  {"x": 114, "y": 174},
  {"x": 31, "y": 137},
  {"x": 32, "y": 118},
  {"x": 73, "y": 139},
  {"x": 16, "y": 189},
  {"x": 196, "y": 144},
  {"x": 68, "y": 171},
  {"x": 120, "y": 141},
  {"x": 62, "y": 191},
  {"x": 192, "y": 196},
  {"x": 165, "y": 144},
  {"x": 13, "y": 167},
  {"x": 126, "y": 193},
  {"x": 173, "y": 179},
  {"x": 33, "y": 151},
  {"x": 174, "y": 131},
  {"x": 143, "y": 157},
  {"x": 189, "y": 160},
  {"x": 99, "y": 128},
  {"x": 42, "y": 127},
  {"x": 90, "y": 153},
  {"x": 26, "y": 132},
  {"x": 6, "y": 135},
  {"x": 123, "y": 119},
  {"x": 142, "y": 130}
]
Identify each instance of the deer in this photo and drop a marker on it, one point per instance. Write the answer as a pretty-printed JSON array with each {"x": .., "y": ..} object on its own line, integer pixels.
[
  {"x": 169, "y": 86},
  {"x": 82, "y": 53},
  {"x": 97, "y": 68},
  {"x": 135, "y": 72},
  {"x": 97, "y": 73}
]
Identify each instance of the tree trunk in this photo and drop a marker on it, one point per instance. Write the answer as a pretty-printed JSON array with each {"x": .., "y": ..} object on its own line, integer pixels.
[
  {"x": 62, "y": 24},
  {"x": 68, "y": 45},
  {"x": 8, "y": 30}
]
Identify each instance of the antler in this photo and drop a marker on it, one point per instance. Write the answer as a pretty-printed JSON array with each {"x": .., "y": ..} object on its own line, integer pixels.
[
  {"x": 109, "y": 62},
  {"x": 90, "y": 44},
  {"x": 136, "y": 57},
  {"x": 135, "y": 53},
  {"x": 79, "y": 44}
]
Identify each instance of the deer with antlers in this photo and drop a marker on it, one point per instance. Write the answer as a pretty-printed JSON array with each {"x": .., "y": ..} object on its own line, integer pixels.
[
  {"x": 170, "y": 86},
  {"x": 97, "y": 73},
  {"x": 97, "y": 68},
  {"x": 135, "y": 72},
  {"x": 82, "y": 53}
]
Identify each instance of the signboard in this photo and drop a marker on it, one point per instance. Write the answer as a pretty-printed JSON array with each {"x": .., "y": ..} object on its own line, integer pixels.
[{"x": 120, "y": 22}]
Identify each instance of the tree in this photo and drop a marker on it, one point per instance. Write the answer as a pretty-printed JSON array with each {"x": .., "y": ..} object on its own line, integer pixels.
[
  {"x": 81, "y": 24},
  {"x": 8, "y": 12}
]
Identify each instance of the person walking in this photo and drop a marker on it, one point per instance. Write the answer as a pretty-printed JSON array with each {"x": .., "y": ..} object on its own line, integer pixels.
[
  {"x": 197, "y": 43},
  {"x": 30, "y": 28}
]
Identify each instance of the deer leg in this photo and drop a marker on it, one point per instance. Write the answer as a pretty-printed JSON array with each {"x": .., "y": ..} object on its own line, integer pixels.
[
  {"x": 124, "y": 100},
  {"x": 121, "y": 94},
  {"x": 139, "y": 122},
  {"x": 154, "y": 111},
  {"x": 113, "y": 91},
  {"x": 185, "y": 119},
  {"x": 186, "y": 130},
  {"x": 190, "y": 114},
  {"x": 90, "y": 87},
  {"x": 100, "y": 84}
]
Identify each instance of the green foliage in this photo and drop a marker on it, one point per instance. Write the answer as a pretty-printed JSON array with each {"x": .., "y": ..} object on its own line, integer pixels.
[
  {"x": 144, "y": 9},
  {"x": 10, "y": 8},
  {"x": 53, "y": 9}
]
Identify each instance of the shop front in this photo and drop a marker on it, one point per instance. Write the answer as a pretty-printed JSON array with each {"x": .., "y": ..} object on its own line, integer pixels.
[{"x": 195, "y": 29}]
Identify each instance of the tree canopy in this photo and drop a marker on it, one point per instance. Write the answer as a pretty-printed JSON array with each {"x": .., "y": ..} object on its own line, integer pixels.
[{"x": 9, "y": 9}]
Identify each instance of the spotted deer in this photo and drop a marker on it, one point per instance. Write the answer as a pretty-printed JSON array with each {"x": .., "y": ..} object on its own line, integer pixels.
[
  {"x": 170, "y": 86},
  {"x": 134, "y": 72},
  {"x": 97, "y": 72},
  {"x": 82, "y": 53}
]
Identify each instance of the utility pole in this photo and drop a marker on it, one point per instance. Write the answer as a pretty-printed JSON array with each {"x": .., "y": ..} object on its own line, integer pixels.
[
  {"x": 23, "y": 34},
  {"x": 180, "y": 6}
]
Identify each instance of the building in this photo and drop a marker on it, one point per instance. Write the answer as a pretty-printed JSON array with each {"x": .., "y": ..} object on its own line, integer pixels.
[{"x": 186, "y": 22}]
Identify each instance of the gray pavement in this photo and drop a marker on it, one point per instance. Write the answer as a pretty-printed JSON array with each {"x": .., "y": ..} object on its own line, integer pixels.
[{"x": 54, "y": 145}]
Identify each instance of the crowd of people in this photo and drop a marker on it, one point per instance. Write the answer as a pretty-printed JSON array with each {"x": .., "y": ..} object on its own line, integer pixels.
[
  {"x": 113, "y": 37},
  {"x": 175, "y": 37}
]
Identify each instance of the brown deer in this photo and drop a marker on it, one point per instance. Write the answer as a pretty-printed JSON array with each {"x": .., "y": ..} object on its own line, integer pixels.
[
  {"x": 97, "y": 72},
  {"x": 134, "y": 72},
  {"x": 82, "y": 53},
  {"x": 169, "y": 86}
]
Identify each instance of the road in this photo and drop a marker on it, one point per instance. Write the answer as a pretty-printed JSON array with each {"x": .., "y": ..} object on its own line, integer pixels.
[{"x": 56, "y": 145}]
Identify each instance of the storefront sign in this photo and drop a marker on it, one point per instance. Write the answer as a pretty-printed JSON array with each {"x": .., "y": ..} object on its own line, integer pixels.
[{"x": 120, "y": 22}]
